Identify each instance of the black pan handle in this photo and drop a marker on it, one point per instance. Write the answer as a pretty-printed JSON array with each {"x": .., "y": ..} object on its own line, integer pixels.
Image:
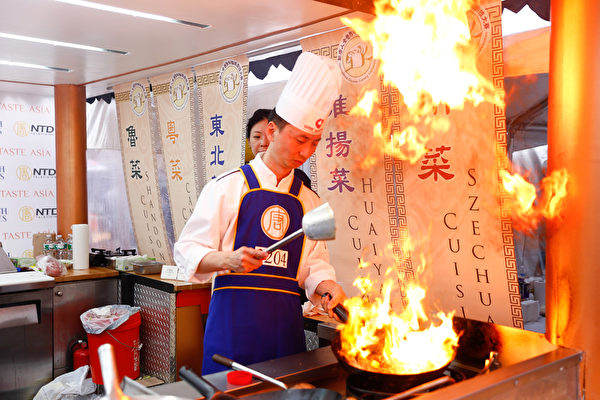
[
  {"x": 219, "y": 359},
  {"x": 203, "y": 386},
  {"x": 339, "y": 309}
]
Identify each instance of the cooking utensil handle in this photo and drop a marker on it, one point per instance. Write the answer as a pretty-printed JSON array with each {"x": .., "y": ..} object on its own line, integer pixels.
[
  {"x": 203, "y": 386},
  {"x": 284, "y": 241},
  {"x": 339, "y": 309},
  {"x": 233, "y": 365},
  {"x": 341, "y": 312}
]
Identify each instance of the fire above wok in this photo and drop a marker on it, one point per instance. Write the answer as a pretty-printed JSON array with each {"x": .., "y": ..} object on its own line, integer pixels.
[{"x": 377, "y": 339}]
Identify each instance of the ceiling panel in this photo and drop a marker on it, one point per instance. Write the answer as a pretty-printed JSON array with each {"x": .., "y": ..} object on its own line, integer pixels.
[{"x": 237, "y": 27}]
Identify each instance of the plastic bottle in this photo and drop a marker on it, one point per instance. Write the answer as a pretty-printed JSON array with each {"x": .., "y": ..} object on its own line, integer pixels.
[
  {"x": 49, "y": 247},
  {"x": 60, "y": 248},
  {"x": 69, "y": 244}
]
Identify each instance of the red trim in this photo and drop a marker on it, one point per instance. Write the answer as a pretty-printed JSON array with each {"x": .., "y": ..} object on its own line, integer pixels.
[{"x": 196, "y": 297}]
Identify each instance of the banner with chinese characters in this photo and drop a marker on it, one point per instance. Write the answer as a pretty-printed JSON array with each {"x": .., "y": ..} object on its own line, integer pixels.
[
  {"x": 27, "y": 170},
  {"x": 174, "y": 103},
  {"x": 141, "y": 177},
  {"x": 222, "y": 99},
  {"x": 357, "y": 193},
  {"x": 445, "y": 212}
]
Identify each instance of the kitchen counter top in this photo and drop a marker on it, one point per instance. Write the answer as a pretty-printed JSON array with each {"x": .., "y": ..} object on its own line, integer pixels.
[
  {"x": 84, "y": 274},
  {"x": 167, "y": 285}
]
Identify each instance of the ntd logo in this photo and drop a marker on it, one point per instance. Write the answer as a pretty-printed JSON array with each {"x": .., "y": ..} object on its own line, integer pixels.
[
  {"x": 44, "y": 172},
  {"x": 45, "y": 212},
  {"x": 41, "y": 129}
]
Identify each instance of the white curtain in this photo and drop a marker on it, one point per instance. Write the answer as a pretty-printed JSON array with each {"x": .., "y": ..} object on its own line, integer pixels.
[{"x": 108, "y": 211}]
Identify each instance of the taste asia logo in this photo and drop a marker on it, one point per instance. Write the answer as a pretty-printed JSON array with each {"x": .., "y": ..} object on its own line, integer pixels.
[{"x": 26, "y": 214}]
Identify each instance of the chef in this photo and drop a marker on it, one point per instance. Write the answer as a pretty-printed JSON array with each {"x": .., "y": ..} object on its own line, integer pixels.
[{"x": 255, "y": 312}]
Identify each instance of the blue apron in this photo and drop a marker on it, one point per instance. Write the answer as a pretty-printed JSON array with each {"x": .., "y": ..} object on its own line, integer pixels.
[{"x": 257, "y": 316}]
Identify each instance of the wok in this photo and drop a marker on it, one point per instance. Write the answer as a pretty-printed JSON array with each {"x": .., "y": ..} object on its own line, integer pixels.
[
  {"x": 209, "y": 391},
  {"x": 387, "y": 383}
]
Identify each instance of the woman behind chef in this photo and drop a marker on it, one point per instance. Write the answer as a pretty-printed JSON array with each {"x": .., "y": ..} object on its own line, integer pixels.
[{"x": 259, "y": 142}]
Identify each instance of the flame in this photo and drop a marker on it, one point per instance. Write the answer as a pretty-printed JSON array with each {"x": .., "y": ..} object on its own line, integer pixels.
[
  {"x": 523, "y": 193},
  {"x": 377, "y": 339},
  {"x": 527, "y": 208},
  {"x": 365, "y": 104},
  {"x": 426, "y": 53},
  {"x": 555, "y": 191}
]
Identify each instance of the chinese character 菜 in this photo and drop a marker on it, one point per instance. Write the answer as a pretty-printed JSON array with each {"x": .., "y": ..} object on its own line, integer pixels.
[
  {"x": 431, "y": 166},
  {"x": 175, "y": 170},
  {"x": 340, "y": 181},
  {"x": 136, "y": 171}
]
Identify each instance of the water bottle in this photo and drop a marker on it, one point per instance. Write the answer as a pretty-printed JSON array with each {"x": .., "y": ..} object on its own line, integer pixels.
[
  {"x": 60, "y": 247},
  {"x": 69, "y": 247},
  {"x": 49, "y": 246}
]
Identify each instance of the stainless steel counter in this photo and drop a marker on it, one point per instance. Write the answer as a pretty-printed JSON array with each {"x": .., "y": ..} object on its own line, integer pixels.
[{"x": 318, "y": 367}]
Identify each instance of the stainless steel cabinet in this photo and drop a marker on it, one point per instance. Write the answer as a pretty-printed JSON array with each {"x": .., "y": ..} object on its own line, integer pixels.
[{"x": 71, "y": 299}]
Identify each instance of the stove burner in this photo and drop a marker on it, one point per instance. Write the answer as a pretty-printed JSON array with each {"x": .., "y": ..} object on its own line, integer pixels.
[
  {"x": 99, "y": 257},
  {"x": 369, "y": 387}
]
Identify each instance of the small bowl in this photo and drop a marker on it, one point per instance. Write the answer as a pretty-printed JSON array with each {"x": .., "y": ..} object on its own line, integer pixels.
[{"x": 239, "y": 378}]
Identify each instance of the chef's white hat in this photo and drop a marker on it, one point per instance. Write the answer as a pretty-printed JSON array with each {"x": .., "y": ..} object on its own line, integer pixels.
[{"x": 308, "y": 95}]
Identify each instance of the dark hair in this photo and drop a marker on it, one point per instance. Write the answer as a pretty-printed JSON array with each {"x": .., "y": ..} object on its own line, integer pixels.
[
  {"x": 277, "y": 120},
  {"x": 259, "y": 115}
]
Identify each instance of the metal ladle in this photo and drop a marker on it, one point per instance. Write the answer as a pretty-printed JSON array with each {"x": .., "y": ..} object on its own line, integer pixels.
[{"x": 317, "y": 224}]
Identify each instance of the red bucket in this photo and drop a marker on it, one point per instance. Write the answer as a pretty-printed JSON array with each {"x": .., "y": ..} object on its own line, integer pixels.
[{"x": 125, "y": 340}]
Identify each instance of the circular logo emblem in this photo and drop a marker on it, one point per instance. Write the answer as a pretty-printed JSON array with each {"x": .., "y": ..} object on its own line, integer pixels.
[
  {"x": 27, "y": 254},
  {"x": 20, "y": 128},
  {"x": 138, "y": 99},
  {"x": 275, "y": 222},
  {"x": 479, "y": 26},
  {"x": 26, "y": 214},
  {"x": 23, "y": 172},
  {"x": 179, "y": 90},
  {"x": 231, "y": 80},
  {"x": 355, "y": 58}
]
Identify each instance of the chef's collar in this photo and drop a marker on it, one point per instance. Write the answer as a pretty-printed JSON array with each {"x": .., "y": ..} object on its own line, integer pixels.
[{"x": 265, "y": 172}]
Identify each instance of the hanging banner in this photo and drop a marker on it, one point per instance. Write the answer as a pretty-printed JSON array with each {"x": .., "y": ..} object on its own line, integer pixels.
[
  {"x": 174, "y": 103},
  {"x": 27, "y": 170},
  {"x": 141, "y": 177},
  {"x": 444, "y": 212},
  {"x": 222, "y": 99}
]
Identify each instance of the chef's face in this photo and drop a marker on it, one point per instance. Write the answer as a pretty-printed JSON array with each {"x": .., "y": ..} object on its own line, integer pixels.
[
  {"x": 290, "y": 146},
  {"x": 258, "y": 139}
]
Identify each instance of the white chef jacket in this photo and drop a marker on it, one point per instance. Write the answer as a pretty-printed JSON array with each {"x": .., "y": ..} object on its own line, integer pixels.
[{"x": 212, "y": 227}]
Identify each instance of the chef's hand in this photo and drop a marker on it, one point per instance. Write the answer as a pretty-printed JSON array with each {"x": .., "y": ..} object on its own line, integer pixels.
[
  {"x": 244, "y": 259},
  {"x": 335, "y": 296}
]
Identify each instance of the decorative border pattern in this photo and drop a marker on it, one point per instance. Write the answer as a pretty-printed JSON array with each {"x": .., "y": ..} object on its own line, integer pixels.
[
  {"x": 510, "y": 265},
  {"x": 246, "y": 70},
  {"x": 389, "y": 98},
  {"x": 201, "y": 142}
]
